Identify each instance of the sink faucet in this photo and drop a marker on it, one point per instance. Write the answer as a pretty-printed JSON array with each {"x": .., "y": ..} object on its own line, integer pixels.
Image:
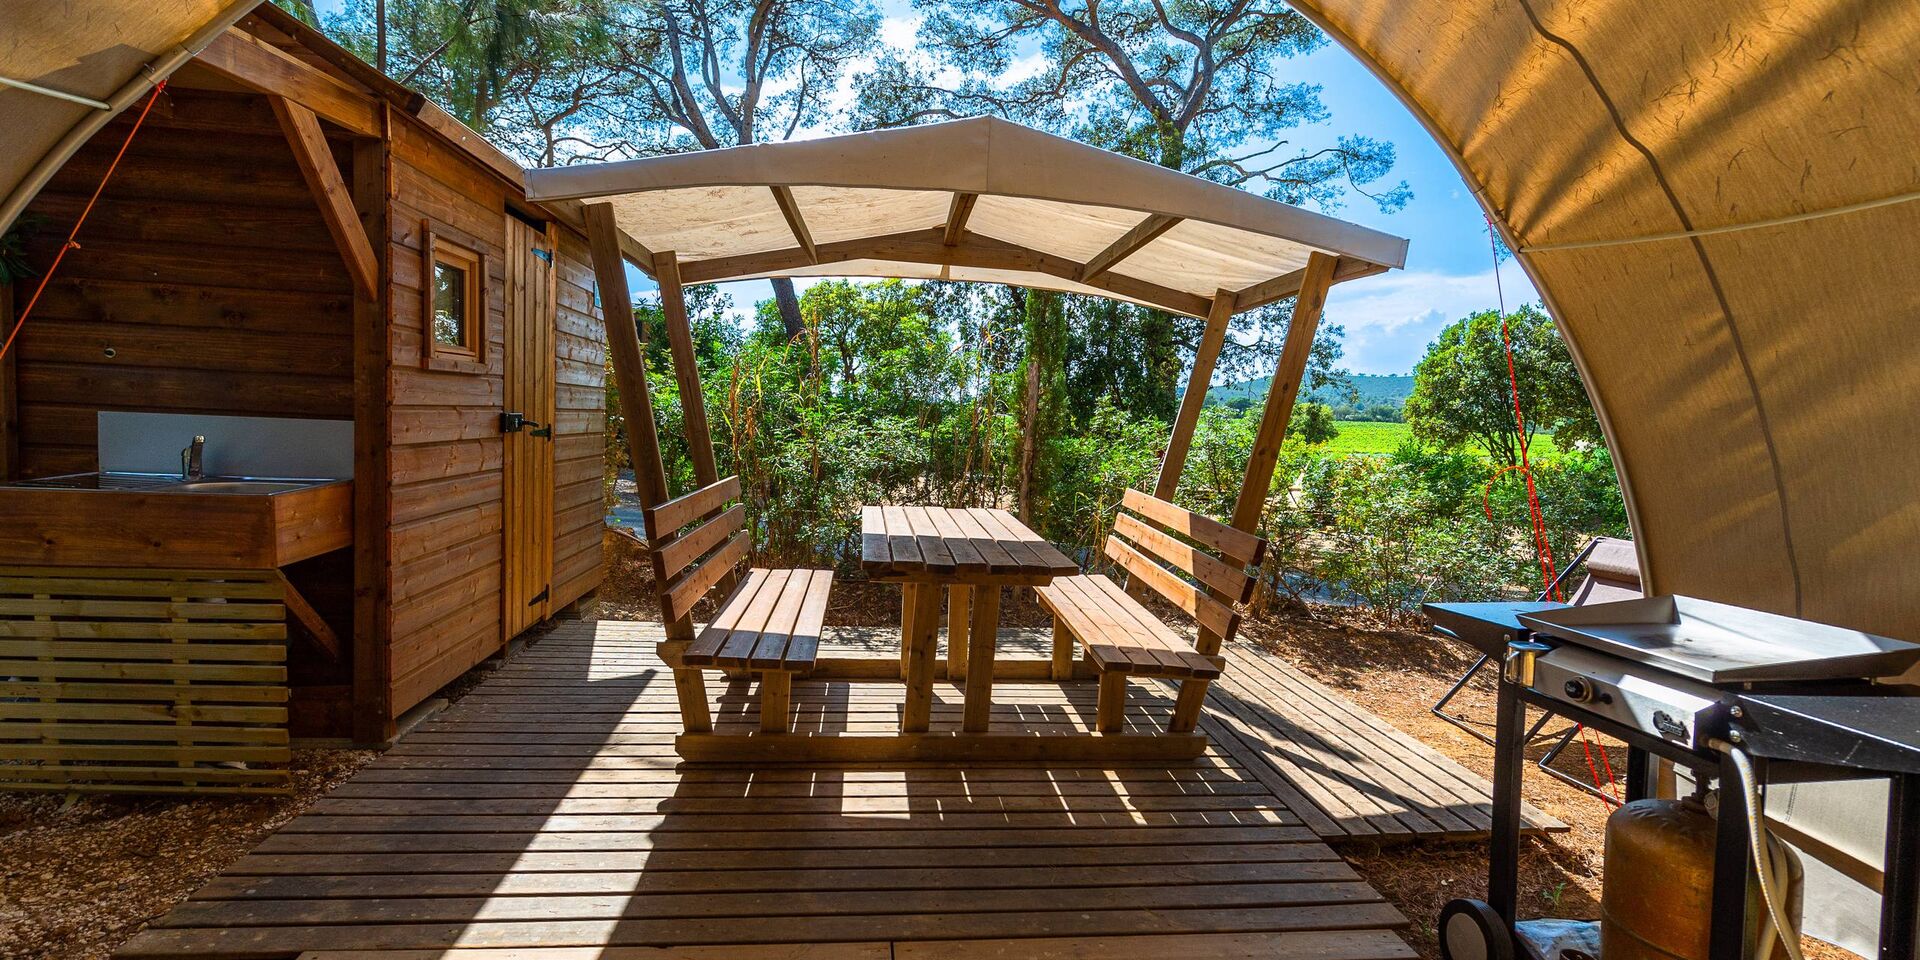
[{"x": 191, "y": 467}]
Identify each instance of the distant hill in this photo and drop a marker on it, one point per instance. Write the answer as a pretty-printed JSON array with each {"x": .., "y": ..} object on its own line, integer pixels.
[{"x": 1373, "y": 389}]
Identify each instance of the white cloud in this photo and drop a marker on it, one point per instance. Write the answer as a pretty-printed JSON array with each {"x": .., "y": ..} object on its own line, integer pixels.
[
  {"x": 1390, "y": 318},
  {"x": 899, "y": 30}
]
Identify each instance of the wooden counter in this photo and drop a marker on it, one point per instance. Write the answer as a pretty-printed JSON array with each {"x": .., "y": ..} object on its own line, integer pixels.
[{"x": 127, "y": 528}]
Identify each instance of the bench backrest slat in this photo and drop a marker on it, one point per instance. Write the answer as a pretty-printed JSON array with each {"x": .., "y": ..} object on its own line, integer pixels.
[
  {"x": 1208, "y": 569},
  {"x": 1157, "y": 542},
  {"x": 669, "y": 517},
  {"x": 1211, "y": 613},
  {"x": 1238, "y": 546},
  {"x": 677, "y": 554},
  {"x": 686, "y": 567},
  {"x": 677, "y": 600}
]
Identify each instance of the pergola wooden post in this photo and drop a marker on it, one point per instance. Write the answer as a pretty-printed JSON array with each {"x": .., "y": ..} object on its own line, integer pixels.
[
  {"x": 693, "y": 404},
  {"x": 1281, "y": 392},
  {"x": 1174, "y": 461},
  {"x": 643, "y": 443}
]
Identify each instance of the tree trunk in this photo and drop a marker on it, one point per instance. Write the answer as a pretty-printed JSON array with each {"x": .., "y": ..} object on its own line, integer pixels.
[
  {"x": 1044, "y": 410},
  {"x": 789, "y": 306},
  {"x": 1161, "y": 356},
  {"x": 1029, "y": 427}
]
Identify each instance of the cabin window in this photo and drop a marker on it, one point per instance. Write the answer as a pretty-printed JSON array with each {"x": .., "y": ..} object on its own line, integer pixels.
[
  {"x": 451, "y": 322},
  {"x": 454, "y": 302}
]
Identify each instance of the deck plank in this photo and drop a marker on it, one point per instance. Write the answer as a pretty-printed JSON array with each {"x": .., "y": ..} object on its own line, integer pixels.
[{"x": 545, "y": 814}]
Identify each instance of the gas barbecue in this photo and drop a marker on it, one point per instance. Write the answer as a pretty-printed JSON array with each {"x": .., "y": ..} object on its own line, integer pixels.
[{"x": 1710, "y": 687}]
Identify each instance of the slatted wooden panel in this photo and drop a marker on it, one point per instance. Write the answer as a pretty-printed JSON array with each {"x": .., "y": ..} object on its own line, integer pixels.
[{"x": 150, "y": 681}]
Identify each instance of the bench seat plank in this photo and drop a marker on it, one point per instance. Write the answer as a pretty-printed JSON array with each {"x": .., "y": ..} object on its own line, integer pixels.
[
  {"x": 1120, "y": 634},
  {"x": 771, "y": 622},
  {"x": 707, "y": 645}
]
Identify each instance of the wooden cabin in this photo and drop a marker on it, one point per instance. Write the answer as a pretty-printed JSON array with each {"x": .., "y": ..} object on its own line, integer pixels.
[{"x": 296, "y": 242}]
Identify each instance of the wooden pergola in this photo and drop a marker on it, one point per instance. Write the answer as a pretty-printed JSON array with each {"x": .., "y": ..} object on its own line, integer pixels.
[{"x": 981, "y": 200}]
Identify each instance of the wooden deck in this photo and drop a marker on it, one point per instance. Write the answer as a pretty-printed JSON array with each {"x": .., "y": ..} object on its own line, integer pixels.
[
  {"x": 1357, "y": 776},
  {"x": 546, "y": 815},
  {"x": 1347, "y": 774}
]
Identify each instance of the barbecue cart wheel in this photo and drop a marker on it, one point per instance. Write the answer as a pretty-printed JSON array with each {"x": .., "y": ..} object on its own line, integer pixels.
[{"x": 1471, "y": 930}]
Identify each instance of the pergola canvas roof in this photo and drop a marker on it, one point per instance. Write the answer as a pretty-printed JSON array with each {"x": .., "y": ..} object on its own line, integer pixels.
[{"x": 982, "y": 199}]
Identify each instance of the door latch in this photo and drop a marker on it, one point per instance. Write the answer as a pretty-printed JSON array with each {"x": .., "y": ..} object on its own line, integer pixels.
[{"x": 516, "y": 422}]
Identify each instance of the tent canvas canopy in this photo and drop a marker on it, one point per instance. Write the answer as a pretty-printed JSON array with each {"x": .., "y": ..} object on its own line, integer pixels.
[
  {"x": 67, "y": 69},
  {"x": 983, "y": 200}
]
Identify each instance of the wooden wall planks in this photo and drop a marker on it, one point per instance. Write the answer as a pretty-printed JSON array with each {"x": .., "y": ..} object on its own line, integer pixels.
[
  {"x": 207, "y": 282},
  {"x": 580, "y": 418},
  {"x": 448, "y": 458},
  {"x": 204, "y": 283},
  {"x": 446, "y": 557}
]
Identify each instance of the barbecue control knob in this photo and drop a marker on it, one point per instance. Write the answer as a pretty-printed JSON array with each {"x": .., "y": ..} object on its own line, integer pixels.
[{"x": 1579, "y": 690}]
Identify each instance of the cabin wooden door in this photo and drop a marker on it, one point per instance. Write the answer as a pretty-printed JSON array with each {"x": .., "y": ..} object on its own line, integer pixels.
[{"x": 527, "y": 424}]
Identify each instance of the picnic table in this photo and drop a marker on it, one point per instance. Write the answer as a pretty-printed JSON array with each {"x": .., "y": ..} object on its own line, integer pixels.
[{"x": 973, "y": 552}]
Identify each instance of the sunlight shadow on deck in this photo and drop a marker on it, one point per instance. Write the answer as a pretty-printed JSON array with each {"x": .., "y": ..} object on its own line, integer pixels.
[{"x": 547, "y": 810}]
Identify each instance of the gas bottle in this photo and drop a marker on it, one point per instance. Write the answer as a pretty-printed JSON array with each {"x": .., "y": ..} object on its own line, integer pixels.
[{"x": 1657, "y": 902}]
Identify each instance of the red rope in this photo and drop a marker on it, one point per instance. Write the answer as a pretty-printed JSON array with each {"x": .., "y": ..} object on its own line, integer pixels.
[
  {"x": 1542, "y": 548},
  {"x": 1542, "y": 544},
  {"x": 47, "y": 277},
  {"x": 1586, "y": 744}
]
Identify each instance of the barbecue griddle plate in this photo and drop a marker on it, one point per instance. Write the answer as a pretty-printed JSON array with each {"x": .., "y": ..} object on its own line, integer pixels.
[{"x": 1721, "y": 644}]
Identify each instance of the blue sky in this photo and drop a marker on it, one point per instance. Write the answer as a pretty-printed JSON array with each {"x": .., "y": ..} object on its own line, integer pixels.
[{"x": 1389, "y": 318}]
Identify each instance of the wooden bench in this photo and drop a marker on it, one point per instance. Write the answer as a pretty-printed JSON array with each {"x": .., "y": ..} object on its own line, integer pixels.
[
  {"x": 768, "y": 621},
  {"x": 1156, "y": 543}
]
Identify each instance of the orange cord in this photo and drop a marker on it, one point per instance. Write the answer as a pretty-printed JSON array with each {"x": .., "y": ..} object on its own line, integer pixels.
[{"x": 47, "y": 277}]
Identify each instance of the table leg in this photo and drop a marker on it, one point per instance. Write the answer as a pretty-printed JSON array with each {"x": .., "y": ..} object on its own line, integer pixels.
[
  {"x": 986, "y": 630},
  {"x": 907, "y": 594},
  {"x": 921, "y": 644},
  {"x": 957, "y": 616}
]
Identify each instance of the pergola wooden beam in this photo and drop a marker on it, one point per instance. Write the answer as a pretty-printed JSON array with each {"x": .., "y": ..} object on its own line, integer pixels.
[
  {"x": 929, "y": 246},
  {"x": 783, "y": 195},
  {"x": 639, "y": 256},
  {"x": 315, "y": 159},
  {"x": 643, "y": 442},
  {"x": 1309, "y": 301},
  {"x": 1143, "y": 233},
  {"x": 957, "y": 213},
  {"x": 1287, "y": 284},
  {"x": 623, "y": 348},
  {"x": 258, "y": 65}
]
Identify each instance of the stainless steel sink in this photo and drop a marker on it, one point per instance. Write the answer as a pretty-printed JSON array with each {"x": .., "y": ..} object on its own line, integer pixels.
[
  {"x": 237, "y": 486},
  {"x": 172, "y": 483}
]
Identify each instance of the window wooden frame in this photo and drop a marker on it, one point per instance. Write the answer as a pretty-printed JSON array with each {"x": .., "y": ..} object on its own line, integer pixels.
[{"x": 435, "y": 355}]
